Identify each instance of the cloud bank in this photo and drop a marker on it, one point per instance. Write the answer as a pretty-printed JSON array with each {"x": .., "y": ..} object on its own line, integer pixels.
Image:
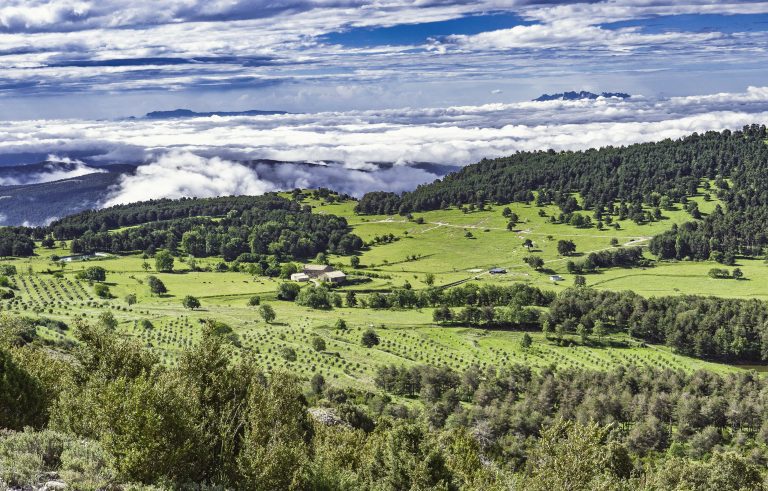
[
  {"x": 359, "y": 151},
  {"x": 56, "y": 169}
]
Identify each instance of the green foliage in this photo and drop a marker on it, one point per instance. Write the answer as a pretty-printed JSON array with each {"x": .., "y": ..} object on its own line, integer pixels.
[
  {"x": 369, "y": 338},
  {"x": 102, "y": 291},
  {"x": 254, "y": 301},
  {"x": 190, "y": 302},
  {"x": 267, "y": 313},
  {"x": 93, "y": 273},
  {"x": 288, "y": 291},
  {"x": 318, "y": 343},
  {"x": 164, "y": 262},
  {"x": 22, "y": 396},
  {"x": 156, "y": 285}
]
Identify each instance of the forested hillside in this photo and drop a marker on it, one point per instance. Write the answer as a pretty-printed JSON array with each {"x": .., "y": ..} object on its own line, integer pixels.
[
  {"x": 624, "y": 180},
  {"x": 227, "y": 226}
]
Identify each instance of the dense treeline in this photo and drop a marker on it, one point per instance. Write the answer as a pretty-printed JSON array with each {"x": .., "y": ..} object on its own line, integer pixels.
[
  {"x": 264, "y": 225},
  {"x": 623, "y": 257},
  {"x": 620, "y": 181},
  {"x": 650, "y": 410},
  {"x": 704, "y": 327},
  {"x": 127, "y": 215},
  {"x": 111, "y": 413},
  {"x": 15, "y": 241}
]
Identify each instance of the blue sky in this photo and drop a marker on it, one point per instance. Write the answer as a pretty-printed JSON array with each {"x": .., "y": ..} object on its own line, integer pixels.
[{"x": 114, "y": 58}]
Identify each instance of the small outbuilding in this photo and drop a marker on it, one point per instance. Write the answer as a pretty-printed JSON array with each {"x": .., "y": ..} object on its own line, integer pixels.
[
  {"x": 334, "y": 277},
  {"x": 498, "y": 271},
  {"x": 300, "y": 277},
  {"x": 556, "y": 277}
]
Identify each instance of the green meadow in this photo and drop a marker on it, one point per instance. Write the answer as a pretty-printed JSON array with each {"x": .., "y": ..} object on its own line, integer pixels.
[{"x": 449, "y": 244}]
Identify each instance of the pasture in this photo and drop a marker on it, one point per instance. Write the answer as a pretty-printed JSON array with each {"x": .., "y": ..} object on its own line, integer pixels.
[{"x": 438, "y": 244}]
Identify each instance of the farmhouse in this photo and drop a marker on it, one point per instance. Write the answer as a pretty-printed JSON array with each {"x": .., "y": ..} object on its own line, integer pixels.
[
  {"x": 498, "y": 271},
  {"x": 334, "y": 277},
  {"x": 556, "y": 277},
  {"x": 300, "y": 277},
  {"x": 316, "y": 270}
]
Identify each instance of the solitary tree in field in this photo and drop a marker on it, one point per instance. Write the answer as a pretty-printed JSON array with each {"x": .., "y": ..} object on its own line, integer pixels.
[
  {"x": 191, "y": 302},
  {"x": 566, "y": 247},
  {"x": 579, "y": 281},
  {"x": 267, "y": 313},
  {"x": 354, "y": 261},
  {"x": 156, "y": 286},
  {"x": 369, "y": 339},
  {"x": 164, "y": 262},
  {"x": 737, "y": 273},
  {"x": 526, "y": 341},
  {"x": 146, "y": 266},
  {"x": 254, "y": 301},
  {"x": 528, "y": 244},
  {"x": 130, "y": 299},
  {"x": 318, "y": 343},
  {"x": 429, "y": 279},
  {"x": 535, "y": 262},
  {"x": 546, "y": 328}
]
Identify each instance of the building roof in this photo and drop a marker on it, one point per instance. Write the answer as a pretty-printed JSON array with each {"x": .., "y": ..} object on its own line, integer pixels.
[
  {"x": 335, "y": 274},
  {"x": 317, "y": 267},
  {"x": 299, "y": 275},
  {"x": 498, "y": 270}
]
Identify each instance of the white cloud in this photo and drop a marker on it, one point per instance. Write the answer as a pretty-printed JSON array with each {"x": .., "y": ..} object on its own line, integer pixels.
[
  {"x": 181, "y": 174},
  {"x": 56, "y": 169},
  {"x": 344, "y": 150}
]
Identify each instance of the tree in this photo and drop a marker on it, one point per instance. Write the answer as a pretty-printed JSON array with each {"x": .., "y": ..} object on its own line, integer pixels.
[
  {"x": 267, "y": 313},
  {"x": 288, "y": 291},
  {"x": 254, "y": 301},
  {"x": 369, "y": 338},
  {"x": 579, "y": 281},
  {"x": 566, "y": 247},
  {"x": 737, "y": 273},
  {"x": 351, "y": 299},
  {"x": 528, "y": 244},
  {"x": 341, "y": 325},
  {"x": 287, "y": 269},
  {"x": 546, "y": 327},
  {"x": 107, "y": 320},
  {"x": 429, "y": 279},
  {"x": 318, "y": 343},
  {"x": 48, "y": 242},
  {"x": 164, "y": 261},
  {"x": 354, "y": 261},
  {"x": 156, "y": 285},
  {"x": 102, "y": 291},
  {"x": 535, "y": 262},
  {"x": 190, "y": 302},
  {"x": 526, "y": 341},
  {"x": 317, "y": 382},
  {"x": 146, "y": 266},
  {"x": 93, "y": 273},
  {"x": 598, "y": 329},
  {"x": 130, "y": 299},
  {"x": 583, "y": 333}
]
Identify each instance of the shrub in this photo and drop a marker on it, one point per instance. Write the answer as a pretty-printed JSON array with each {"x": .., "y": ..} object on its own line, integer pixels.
[{"x": 369, "y": 338}]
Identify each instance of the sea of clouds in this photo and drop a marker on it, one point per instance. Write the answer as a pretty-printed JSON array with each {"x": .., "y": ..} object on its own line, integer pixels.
[{"x": 212, "y": 156}]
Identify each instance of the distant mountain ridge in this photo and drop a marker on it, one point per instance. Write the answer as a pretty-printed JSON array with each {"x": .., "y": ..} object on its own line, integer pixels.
[
  {"x": 575, "y": 96},
  {"x": 188, "y": 113}
]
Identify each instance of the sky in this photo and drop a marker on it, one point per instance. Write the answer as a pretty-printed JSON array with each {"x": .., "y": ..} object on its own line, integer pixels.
[
  {"x": 376, "y": 91},
  {"x": 99, "y": 59}
]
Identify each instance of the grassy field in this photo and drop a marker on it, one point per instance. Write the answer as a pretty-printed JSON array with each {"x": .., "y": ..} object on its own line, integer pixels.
[{"x": 439, "y": 246}]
